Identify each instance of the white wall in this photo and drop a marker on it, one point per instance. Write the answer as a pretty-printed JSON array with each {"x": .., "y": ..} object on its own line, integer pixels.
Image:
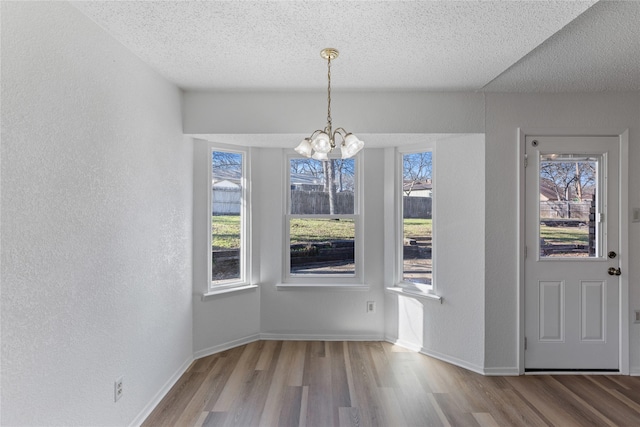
[
  {"x": 360, "y": 112},
  {"x": 222, "y": 321},
  {"x": 318, "y": 313},
  {"x": 453, "y": 330},
  {"x": 337, "y": 314},
  {"x": 597, "y": 113},
  {"x": 96, "y": 223}
]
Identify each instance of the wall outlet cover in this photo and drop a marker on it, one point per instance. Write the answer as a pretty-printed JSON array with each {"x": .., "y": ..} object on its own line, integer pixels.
[{"x": 117, "y": 389}]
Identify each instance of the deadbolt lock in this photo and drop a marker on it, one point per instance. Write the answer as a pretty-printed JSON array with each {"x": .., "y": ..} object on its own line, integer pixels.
[
  {"x": 614, "y": 271},
  {"x": 612, "y": 254}
]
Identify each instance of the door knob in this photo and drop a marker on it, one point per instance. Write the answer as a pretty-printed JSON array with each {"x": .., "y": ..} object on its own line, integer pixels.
[{"x": 614, "y": 271}]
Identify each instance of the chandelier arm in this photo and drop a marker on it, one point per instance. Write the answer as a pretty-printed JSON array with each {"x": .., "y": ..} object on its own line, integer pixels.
[
  {"x": 315, "y": 133},
  {"x": 340, "y": 131}
]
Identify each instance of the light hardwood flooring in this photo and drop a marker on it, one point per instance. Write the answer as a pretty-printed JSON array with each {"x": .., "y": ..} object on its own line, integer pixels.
[{"x": 316, "y": 383}]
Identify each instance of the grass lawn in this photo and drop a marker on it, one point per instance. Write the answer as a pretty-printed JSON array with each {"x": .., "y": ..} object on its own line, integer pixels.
[
  {"x": 321, "y": 230},
  {"x": 225, "y": 230},
  {"x": 417, "y": 227},
  {"x": 565, "y": 235}
]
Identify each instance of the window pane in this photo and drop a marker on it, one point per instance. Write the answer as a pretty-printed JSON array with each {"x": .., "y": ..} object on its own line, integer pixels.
[
  {"x": 311, "y": 193},
  {"x": 417, "y": 223},
  {"x": 322, "y": 246},
  {"x": 226, "y": 216},
  {"x": 568, "y": 192}
]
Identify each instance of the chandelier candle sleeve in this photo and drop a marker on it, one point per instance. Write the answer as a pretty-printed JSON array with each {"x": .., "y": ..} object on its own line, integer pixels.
[{"x": 323, "y": 142}]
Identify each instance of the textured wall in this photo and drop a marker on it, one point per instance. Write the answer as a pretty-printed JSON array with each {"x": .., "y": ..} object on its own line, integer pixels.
[{"x": 96, "y": 223}]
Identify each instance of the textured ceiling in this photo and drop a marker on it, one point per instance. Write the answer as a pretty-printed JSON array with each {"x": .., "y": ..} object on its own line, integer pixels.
[
  {"x": 598, "y": 51},
  {"x": 430, "y": 45}
]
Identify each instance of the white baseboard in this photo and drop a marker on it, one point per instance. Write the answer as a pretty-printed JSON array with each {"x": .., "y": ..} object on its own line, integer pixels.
[
  {"x": 149, "y": 407},
  {"x": 635, "y": 371},
  {"x": 283, "y": 337},
  {"x": 501, "y": 372},
  {"x": 320, "y": 337},
  {"x": 436, "y": 355},
  {"x": 225, "y": 346}
]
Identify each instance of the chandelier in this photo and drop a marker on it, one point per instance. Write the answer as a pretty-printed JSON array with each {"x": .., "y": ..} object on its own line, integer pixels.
[{"x": 322, "y": 142}]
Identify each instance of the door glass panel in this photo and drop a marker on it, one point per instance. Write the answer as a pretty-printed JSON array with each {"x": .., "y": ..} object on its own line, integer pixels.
[{"x": 569, "y": 200}]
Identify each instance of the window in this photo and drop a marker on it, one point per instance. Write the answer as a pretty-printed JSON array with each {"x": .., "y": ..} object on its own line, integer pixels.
[
  {"x": 228, "y": 219},
  {"x": 568, "y": 187},
  {"x": 322, "y": 219},
  {"x": 415, "y": 219}
]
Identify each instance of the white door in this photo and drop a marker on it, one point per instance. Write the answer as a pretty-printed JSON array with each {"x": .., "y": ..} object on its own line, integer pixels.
[{"x": 572, "y": 282}]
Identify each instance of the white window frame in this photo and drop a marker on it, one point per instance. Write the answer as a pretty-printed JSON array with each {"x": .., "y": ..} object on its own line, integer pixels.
[
  {"x": 412, "y": 287},
  {"x": 333, "y": 280},
  {"x": 245, "y": 221}
]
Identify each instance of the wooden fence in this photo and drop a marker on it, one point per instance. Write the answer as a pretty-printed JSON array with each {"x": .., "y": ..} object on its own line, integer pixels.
[
  {"x": 417, "y": 207},
  {"x": 565, "y": 210},
  {"x": 316, "y": 202}
]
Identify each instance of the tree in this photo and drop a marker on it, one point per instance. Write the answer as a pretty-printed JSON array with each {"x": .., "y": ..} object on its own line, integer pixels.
[
  {"x": 307, "y": 167},
  {"x": 416, "y": 167},
  {"x": 225, "y": 165},
  {"x": 563, "y": 176},
  {"x": 345, "y": 170},
  {"x": 335, "y": 175},
  {"x": 330, "y": 183}
]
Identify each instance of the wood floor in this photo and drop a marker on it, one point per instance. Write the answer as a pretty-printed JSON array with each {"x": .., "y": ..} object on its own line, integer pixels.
[{"x": 315, "y": 383}]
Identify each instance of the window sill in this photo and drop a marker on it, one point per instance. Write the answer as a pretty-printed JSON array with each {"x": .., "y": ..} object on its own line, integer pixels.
[
  {"x": 322, "y": 286},
  {"x": 415, "y": 293},
  {"x": 225, "y": 291}
]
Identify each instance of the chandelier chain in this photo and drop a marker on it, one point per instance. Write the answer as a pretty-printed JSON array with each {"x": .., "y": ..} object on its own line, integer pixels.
[{"x": 329, "y": 94}]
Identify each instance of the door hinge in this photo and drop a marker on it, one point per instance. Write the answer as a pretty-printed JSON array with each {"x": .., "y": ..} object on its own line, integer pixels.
[
  {"x": 526, "y": 160},
  {"x": 600, "y": 217},
  {"x": 525, "y": 343},
  {"x": 525, "y": 251}
]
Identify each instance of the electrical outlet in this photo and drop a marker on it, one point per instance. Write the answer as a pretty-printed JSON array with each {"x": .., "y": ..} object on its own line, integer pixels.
[
  {"x": 371, "y": 306},
  {"x": 117, "y": 389}
]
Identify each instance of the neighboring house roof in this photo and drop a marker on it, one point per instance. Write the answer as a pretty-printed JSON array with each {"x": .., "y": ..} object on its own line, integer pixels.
[
  {"x": 409, "y": 185},
  {"x": 306, "y": 179},
  {"x": 225, "y": 184}
]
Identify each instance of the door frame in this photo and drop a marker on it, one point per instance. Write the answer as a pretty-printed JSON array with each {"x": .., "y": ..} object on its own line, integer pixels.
[{"x": 623, "y": 137}]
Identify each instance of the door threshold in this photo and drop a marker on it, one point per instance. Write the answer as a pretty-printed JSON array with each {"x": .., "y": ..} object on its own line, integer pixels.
[{"x": 536, "y": 371}]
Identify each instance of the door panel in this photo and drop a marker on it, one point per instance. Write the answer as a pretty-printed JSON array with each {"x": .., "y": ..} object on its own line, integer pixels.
[
  {"x": 571, "y": 223},
  {"x": 551, "y": 313},
  {"x": 592, "y": 310}
]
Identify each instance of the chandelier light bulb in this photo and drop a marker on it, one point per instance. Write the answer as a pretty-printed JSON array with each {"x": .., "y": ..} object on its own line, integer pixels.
[
  {"x": 322, "y": 143},
  {"x": 351, "y": 146},
  {"x": 304, "y": 148}
]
